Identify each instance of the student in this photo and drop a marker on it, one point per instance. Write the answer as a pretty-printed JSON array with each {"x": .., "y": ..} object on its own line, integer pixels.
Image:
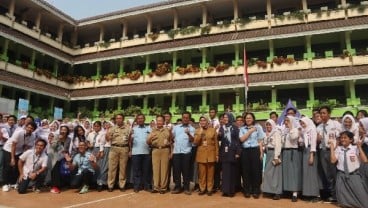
[
  {"x": 351, "y": 190},
  {"x": 32, "y": 166}
]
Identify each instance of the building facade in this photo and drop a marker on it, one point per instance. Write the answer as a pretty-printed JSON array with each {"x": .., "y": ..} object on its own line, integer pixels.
[{"x": 187, "y": 55}]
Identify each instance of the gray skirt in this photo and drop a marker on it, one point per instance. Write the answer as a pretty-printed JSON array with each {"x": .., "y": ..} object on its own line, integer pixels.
[
  {"x": 272, "y": 180},
  {"x": 310, "y": 175},
  {"x": 103, "y": 163},
  {"x": 352, "y": 191},
  {"x": 292, "y": 170}
]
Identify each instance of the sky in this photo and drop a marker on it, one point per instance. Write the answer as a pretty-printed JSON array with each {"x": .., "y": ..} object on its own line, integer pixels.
[{"x": 79, "y": 9}]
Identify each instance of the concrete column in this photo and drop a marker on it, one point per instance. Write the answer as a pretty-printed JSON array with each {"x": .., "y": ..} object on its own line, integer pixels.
[
  {"x": 174, "y": 63},
  {"x": 149, "y": 24},
  {"x": 352, "y": 89},
  {"x": 308, "y": 46},
  {"x": 272, "y": 50},
  {"x": 38, "y": 21},
  {"x": 237, "y": 55},
  {"x": 56, "y": 68},
  {"x": 147, "y": 62},
  {"x": 311, "y": 91},
  {"x": 236, "y": 9},
  {"x": 98, "y": 69},
  {"x": 348, "y": 40},
  {"x": 343, "y": 3},
  {"x": 204, "y": 14},
  {"x": 304, "y": 5},
  {"x": 145, "y": 104},
  {"x": 121, "y": 66},
  {"x": 120, "y": 103},
  {"x": 33, "y": 59},
  {"x": 204, "y": 59},
  {"x": 237, "y": 102},
  {"x": 176, "y": 18},
  {"x": 269, "y": 10},
  {"x": 173, "y": 100},
  {"x": 204, "y": 98},
  {"x": 28, "y": 96},
  {"x": 60, "y": 32},
  {"x": 102, "y": 33},
  {"x": 11, "y": 7},
  {"x": 5, "y": 48},
  {"x": 96, "y": 105},
  {"x": 51, "y": 104},
  {"x": 74, "y": 38},
  {"x": 274, "y": 95},
  {"x": 124, "y": 34}
]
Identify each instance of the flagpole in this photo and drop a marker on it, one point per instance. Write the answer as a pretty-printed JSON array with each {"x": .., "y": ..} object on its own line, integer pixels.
[{"x": 246, "y": 81}]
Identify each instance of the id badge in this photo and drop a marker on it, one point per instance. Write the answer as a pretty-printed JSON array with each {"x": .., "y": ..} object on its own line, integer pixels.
[
  {"x": 205, "y": 143},
  {"x": 226, "y": 149}
]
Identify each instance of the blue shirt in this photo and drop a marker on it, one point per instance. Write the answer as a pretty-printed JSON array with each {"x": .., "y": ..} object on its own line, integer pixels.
[
  {"x": 181, "y": 139},
  {"x": 139, "y": 136},
  {"x": 82, "y": 161},
  {"x": 254, "y": 138}
]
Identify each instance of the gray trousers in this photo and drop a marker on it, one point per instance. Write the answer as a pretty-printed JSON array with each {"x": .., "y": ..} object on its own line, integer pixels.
[{"x": 327, "y": 172}]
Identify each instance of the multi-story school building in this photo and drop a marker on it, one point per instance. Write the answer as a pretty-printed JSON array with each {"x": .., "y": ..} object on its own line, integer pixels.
[{"x": 187, "y": 55}]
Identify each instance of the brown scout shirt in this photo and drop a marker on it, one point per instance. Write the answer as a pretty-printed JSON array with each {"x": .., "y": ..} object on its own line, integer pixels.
[
  {"x": 119, "y": 135},
  {"x": 163, "y": 138},
  {"x": 207, "y": 143}
]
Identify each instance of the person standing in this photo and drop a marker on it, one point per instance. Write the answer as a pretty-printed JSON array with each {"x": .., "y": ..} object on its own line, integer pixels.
[
  {"x": 272, "y": 183},
  {"x": 140, "y": 153},
  {"x": 6, "y": 131},
  {"x": 32, "y": 166},
  {"x": 119, "y": 152},
  {"x": 20, "y": 141},
  {"x": 251, "y": 136},
  {"x": 351, "y": 189},
  {"x": 292, "y": 158},
  {"x": 310, "y": 181},
  {"x": 205, "y": 138},
  {"x": 160, "y": 140},
  {"x": 327, "y": 129},
  {"x": 229, "y": 153},
  {"x": 183, "y": 138}
]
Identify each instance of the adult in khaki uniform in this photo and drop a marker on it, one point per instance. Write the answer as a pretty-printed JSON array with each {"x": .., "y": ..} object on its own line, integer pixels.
[
  {"x": 160, "y": 141},
  {"x": 119, "y": 152},
  {"x": 205, "y": 138}
]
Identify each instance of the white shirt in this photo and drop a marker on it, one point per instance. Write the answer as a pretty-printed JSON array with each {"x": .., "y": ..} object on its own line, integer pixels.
[
  {"x": 331, "y": 127},
  {"x": 274, "y": 141},
  {"x": 4, "y": 134},
  {"x": 352, "y": 156},
  {"x": 97, "y": 141},
  {"x": 291, "y": 138},
  {"x": 23, "y": 142},
  {"x": 32, "y": 162}
]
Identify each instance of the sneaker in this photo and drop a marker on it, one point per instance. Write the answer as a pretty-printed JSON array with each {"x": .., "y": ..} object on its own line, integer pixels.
[
  {"x": 14, "y": 186},
  {"x": 36, "y": 190},
  {"x": 6, "y": 188},
  {"x": 55, "y": 190},
  {"x": 84, "y": 189}
]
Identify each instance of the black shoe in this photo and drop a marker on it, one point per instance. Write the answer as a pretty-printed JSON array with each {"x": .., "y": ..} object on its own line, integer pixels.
[
  {"x": 99, "y": 188},
  {"x": 247, "y": 195},
  {"x": 256, "y": 196},
  {"x": 331, "y": 199},
  {"x": 187, "y": 192},
  {"x": 315, "y": 200},
  {"x": 202, "y": 193},
  {"x": 122, "y": 189},
  {"x": 154, "y": 191},
  {"x": 110, "y": 189},
  {"x": 209, "y": 193},
  {"x": 294, "y": 199},
  {"x": 276, "y": 197},
  {"x": 176, "y": 191},
  {"x": 162, "y": 192}
]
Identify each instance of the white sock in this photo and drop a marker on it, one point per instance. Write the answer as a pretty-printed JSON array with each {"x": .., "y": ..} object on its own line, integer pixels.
[{"x": 295, "y": 194}]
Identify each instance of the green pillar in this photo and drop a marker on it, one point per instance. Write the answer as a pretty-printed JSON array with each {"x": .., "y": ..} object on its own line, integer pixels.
[
  {"x": 272, "y": 51},
  {"x": 147, "y": 69},
  {"x": 237, "y": 103},
  {"x": 33, "y": 60},
  {"x": 352, "y": 89},
  {"x": 56, "y": 68},
  {"x": 98, "y": 72},
  {"x": 237, "y": 61},
  {"x": 311, "y": 91},
  {"x": 273, "y": 98},
  {"x": 348, "y": 42},
  {"x": 309, "y": 55},
  {"x": 174, "y": 63},
  {"x": 120, "y": 103},
  {"x": 145, "y": 105},
  {"x": 173, "y": 100},
  {"x": 204, "y": 63},
  {"x": 4, "y": 55},
  {"x": 121, "y": 67},
  {"x": 95, "y": 108}
]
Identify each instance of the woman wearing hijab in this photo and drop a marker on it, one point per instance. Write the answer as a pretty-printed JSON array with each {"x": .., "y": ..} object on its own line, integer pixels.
[
  {"x": 310, "y": 171},
  {"x": 251, "y": 136},
  {"x": 348, "y": 124},
  {"x": 363, "y": 134},
  {"x": 351, "y": 188},
  {"x": 272, "y": 182},
  {"x": 229, "y": 153},
  {"x": 292, "y": 159}
]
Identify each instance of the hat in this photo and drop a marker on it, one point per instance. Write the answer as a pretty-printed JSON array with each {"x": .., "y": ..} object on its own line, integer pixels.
[{"x": 23, "y": 117}]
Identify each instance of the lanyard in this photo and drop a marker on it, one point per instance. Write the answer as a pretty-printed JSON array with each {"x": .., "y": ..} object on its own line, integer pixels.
[{"x": 35, "y": 160}]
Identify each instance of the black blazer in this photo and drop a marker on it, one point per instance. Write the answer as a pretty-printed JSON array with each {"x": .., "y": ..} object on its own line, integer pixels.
[{"x": 233, "y": 146}]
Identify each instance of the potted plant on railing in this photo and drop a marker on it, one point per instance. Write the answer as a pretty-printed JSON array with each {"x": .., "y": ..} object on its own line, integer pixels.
[
  {"x": 210, "y": 69},
  {"x": 261, "y": 64},
  {"x": 162, "y": 69},
  {"x": 134, "y": 75},
  {"x": 189, "y": 69},
  {"x": 109, "y": 77},
  {"x": 222, "y": 67},
  {"x": 153, "y": 36}
]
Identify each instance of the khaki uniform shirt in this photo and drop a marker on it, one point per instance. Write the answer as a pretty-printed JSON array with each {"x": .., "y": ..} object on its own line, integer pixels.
[
  {"x": 163, "y": 138},
  {"x": 208, "y": 146},
  {"x": 119, "y": 135}
]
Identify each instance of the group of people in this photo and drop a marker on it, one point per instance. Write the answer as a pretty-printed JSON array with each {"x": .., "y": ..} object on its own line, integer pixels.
[{"x": 317, "y": 158}]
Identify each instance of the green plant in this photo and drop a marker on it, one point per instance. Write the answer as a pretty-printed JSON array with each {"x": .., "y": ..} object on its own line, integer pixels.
[
  {"x": 153, "y": 36},
  {"x": 297, "y": 15},
  {"x": 132, "y": 110},
  {"x": 242, "y": 21},
  {"x": 189, "y": 30},
  {"x": 155, "y": 111},
  {"x": 205, "y": 30},
  {"x": 104, "y": 44},
  {"x": 226, "y": 23},
  {"x": 172, "y": 33}
]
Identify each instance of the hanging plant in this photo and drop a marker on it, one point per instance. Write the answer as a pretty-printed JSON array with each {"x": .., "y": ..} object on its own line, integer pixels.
[
  {"x": 222, "y": 67},
  {"x": 134, "y": 75},
  {"x": 162, "y": 69}
]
